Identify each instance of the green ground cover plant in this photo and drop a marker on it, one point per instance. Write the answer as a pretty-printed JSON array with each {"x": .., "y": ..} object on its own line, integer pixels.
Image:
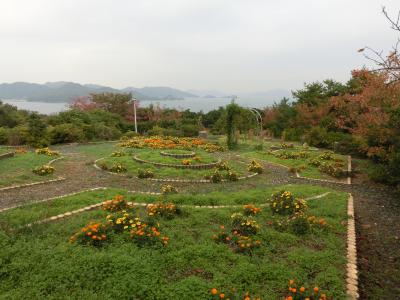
[{"x": 40, "y": 262}]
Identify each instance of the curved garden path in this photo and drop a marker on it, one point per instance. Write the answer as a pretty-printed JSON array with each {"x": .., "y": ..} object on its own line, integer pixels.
[{"x": 377, "y": 211}]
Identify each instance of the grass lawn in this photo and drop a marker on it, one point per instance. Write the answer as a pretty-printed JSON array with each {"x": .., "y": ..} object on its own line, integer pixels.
[
  {"x": 40, "y": 262},
  {"x": 18, "y": 169},
  {"x": 168, "y": 172}
]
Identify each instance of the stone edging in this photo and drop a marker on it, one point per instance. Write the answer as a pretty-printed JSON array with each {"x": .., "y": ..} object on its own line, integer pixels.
[
  {"x": 94, "y": 206},
  {"x": 31, "y": 184},
  {"x": 52, "y": 198},
  {"x": 54, "y": 160},
  {"x": 197, "y": 166},
  {"x": 7, "y": 155},
  {"x": 198, "y": 180},
  {"x": 351, "y": 267},
  {"x": 178, "y": 155}
]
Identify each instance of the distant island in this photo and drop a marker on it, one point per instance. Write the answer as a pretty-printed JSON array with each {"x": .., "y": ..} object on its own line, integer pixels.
[{"x": 62, "y": 91}]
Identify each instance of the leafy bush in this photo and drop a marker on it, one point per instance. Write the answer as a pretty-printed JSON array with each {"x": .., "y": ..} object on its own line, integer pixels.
[
  {"x": 117, "y": 168},
  {"x": 94, "y": 234},
  {"x": 244, "y": 225},
  {"x": 232, "y": 176},
  {"x": 250, "y": 209},
  {"x": 66, "y": 133},
  {"x": 222, "y": 166},
  {"x": 258, "y": 147},
  {"x": 122, "y": 220},
  {"x": 3, "y": 136},
  {"x": 291, "y": 155},
  {"x": 332, "y": 170},
  {"x": 300, "y": 292},
  {"x": 44, "y": 170},
  {"x": 300, "y": 225},
  {"x": 145, "y": 173},
  {"x": 116, "y": 204},
  {"x": 118, "y": 154},
  {"x": 255, "y": 167},
  {"x": 47, "y": 151},
  {"x": 166, "y": 210},
  {"x": 144, "y": 234},
  {"x": 168, "y": 189},
  {"x": 214, "y": 177},
  {"x": 186, "y": 162},
  {"x": 284, "y": 203}
]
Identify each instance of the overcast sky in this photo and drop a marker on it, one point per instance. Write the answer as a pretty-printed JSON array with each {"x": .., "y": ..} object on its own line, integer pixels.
[{"x": 229, "y": 45}]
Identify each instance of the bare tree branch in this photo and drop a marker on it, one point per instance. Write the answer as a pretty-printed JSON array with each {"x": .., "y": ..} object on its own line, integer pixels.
[{"x": 389, "y": 63}]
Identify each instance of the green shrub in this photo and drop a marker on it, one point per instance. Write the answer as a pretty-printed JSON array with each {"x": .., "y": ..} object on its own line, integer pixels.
[
  {"x": 145, "y": 173},
  {"x": 285, "y": 203},
  {"x": 232, "y": 176},
  {"x": 255, "y": 167},
  {"x": 332, "y": 170},
  {"x": 215, "y": 177},
  {"x": 190, "y": 130},
  {"x": 66, "y": 133},
  {"x": 244, "y": 225},
  {"x": 44, "y": 170},
  {"x": 3, "y": 136},
  {"x": 300, "y": 225},
  {"x": 317, "y": 137},
  {"x": 117, "y": 168}
]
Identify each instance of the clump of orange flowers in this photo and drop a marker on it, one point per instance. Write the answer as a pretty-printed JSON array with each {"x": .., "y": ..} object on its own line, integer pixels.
[
  {"x": 250, "y": 209},
  {"x": 145, "y": 234},
  {"x": 116, "y": 204},
  {"x": 302, "y": 293},
  {"x": 166, "y": 210},
  {"x": 94, "y": 234},
  {"x": 233, "y": 294},
  {"x": 237, "y": 241}
]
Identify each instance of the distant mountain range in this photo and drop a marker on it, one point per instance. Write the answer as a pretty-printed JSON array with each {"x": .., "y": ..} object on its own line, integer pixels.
[{"x": 62, "y": 91}]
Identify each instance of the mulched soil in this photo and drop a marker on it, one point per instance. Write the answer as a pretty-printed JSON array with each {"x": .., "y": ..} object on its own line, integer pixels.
[{"x": 377, "y": 211}]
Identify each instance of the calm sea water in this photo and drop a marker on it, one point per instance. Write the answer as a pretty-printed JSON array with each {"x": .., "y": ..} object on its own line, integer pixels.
[{"x": 194, "y": 104}]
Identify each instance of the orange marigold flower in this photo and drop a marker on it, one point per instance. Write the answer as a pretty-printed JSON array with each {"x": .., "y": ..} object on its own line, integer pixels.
[
  {"x": 302, "y": 289},
  {"x": 291, "y": 282},
  {"x": 289, "y": 298},
  {"x": 94, "y": 237},
  {"x": 214, "y": 291},
  {"x": 221, "y": 296},
  {"x": 294, "y": 290},
  {"x": 316, "y": 290}
]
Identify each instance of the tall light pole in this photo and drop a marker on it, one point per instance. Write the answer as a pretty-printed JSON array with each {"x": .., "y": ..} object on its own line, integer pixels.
[{"x": 134, "y": 112}]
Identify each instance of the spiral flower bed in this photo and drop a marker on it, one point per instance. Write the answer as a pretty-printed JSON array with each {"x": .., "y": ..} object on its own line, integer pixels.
[
  {"x": 197, "y": 166},
  {"x": 178, "y": 155}
]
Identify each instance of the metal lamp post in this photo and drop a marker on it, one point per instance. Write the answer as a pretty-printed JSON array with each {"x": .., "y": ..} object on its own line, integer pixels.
[{"x": 134, "y": 112}]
